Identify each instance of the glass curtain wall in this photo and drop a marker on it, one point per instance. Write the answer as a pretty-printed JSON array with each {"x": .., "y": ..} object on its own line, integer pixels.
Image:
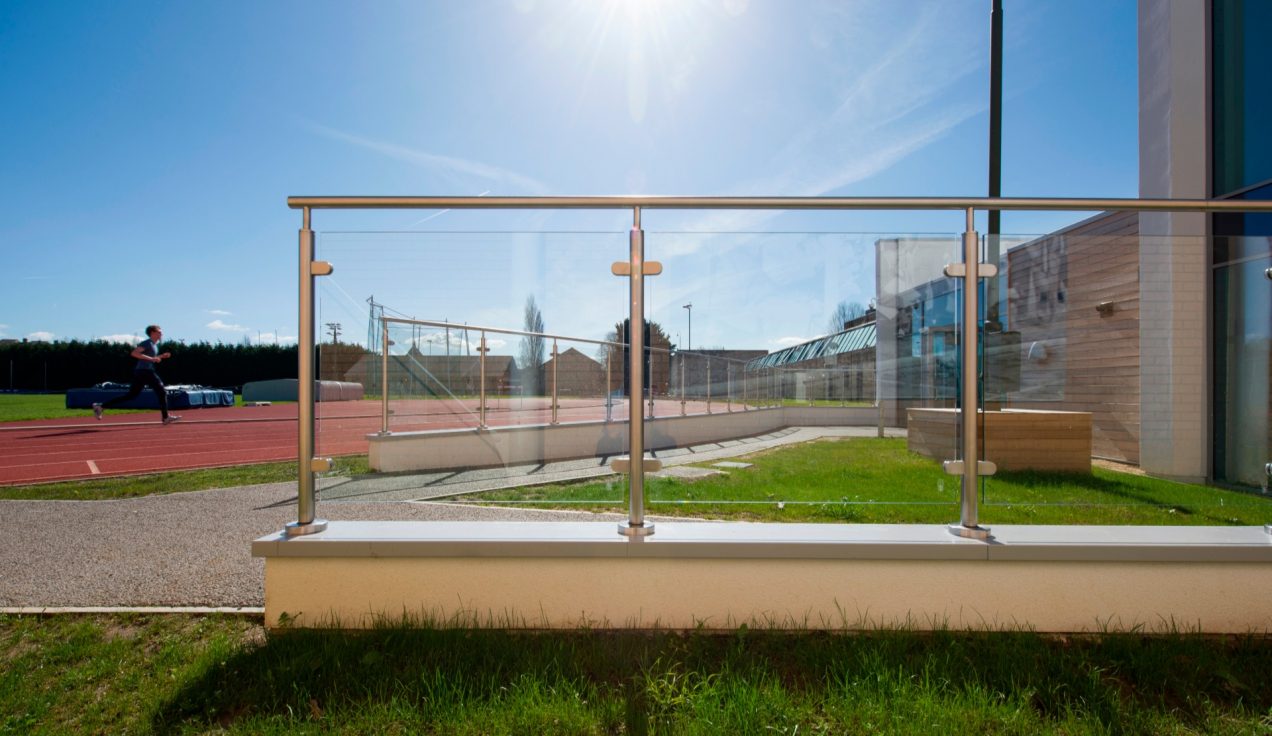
[{"x": 1242, "y": 281}]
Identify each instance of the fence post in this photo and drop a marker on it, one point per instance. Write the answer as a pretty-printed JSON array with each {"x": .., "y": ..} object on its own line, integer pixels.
[
  {"x": 481, "y": 381},
  {"x": 682, "y": 383},
  {"x": 384, "y": 376},
  {"x": 609, "y": 392},
  {"x": 971, "y": 467},
  {"x": 306, "y": 520},
  {"x": 636, "y": 268},
  {"x": 708, "y": 357},
  {"x": 555, "y": 354}
]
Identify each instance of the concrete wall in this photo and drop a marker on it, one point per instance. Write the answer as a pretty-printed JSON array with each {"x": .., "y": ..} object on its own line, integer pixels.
[
  {"x": 799, "y": 576},
  {"x": 469, "y": 448}
]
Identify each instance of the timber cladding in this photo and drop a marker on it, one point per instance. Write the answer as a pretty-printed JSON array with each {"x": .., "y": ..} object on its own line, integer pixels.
[{"x": 1074, "y": 298}]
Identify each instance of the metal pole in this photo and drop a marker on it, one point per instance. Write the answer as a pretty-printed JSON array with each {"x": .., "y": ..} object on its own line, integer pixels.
[
  {"x": 554, "y": 381},
  {"x": 992, "y": 236},
  {"x": 384, "y": 377},
  {"x": 635, "y": 525},
  {"x": 968, "y": 524},
  {"x": 682, "y": 384},
  {"x": 609, "y": 392},
  {"x": 728, "y": 386},
  {"x": 481, "y": 383},
  {"x": 708, "y": 357},
  {"x": 306, "y": 521}
]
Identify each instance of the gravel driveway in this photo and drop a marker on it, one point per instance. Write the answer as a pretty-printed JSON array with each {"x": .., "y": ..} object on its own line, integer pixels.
[{"x": 183, "y": 549}]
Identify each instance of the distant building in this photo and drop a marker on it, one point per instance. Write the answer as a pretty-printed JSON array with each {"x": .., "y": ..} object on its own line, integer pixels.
[
  {"x": 574, "y": 374},
  {"x": 837, "y": 367}
]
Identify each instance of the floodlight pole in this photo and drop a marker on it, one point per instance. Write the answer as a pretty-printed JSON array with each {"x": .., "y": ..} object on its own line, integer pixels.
[{"x": 994, "y": 229}]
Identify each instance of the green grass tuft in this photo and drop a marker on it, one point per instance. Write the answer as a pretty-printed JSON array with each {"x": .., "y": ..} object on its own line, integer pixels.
[{"x": 132, "y": 486}]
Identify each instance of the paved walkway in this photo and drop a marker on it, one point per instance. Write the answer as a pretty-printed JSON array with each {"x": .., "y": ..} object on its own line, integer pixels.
[{"x": 192, "y": 549}]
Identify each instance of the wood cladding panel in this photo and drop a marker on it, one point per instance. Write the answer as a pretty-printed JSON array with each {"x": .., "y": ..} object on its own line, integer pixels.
[{"x": 1092, "y": 359}]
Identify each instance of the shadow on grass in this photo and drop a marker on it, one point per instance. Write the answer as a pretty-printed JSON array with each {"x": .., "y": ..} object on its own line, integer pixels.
[
  {"x": 1204, "y": 502},
  {"x": 496, "y": 681}
]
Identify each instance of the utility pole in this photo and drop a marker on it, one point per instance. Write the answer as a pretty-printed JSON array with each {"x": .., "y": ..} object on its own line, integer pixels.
[{"x": 334, "y": 327}]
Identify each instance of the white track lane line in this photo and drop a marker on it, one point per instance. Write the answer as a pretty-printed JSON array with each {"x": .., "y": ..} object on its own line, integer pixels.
[{"x": 92, "y": 467}]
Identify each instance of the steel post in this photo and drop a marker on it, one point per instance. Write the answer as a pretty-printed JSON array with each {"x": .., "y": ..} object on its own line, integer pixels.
[
  {"x": 481, "y": 386},
  {"x": 969, "y": 509},
  {"x": 635, "y": 525},
  {"x": 384, "y": 377},
  {"x": 306, "y": 517},
  {"x": 554, "y": 381}
]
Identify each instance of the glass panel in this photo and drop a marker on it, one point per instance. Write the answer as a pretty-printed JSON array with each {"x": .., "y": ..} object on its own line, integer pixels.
[
  {"x": 1095, "y": 381},
  {"x": 495, "y": 342},
  {"x": 1242, "y": 94},
  {"x": 1243, "y": 372},
  {"x": 770, "y": 408}
]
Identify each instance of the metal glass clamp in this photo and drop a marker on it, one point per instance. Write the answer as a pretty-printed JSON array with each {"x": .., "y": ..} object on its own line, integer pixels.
[
  {"x": 983, "y": 467},
  {"x": 648, "y": 268},
  {"x": 320, "y": 268},
  {"x": 959, "y": 270}
]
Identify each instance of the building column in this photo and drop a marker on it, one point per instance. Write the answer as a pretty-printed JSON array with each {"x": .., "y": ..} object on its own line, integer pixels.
[{"x": 1174, "y": 249}]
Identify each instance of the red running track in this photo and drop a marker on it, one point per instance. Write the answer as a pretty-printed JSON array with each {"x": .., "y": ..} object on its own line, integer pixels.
[{"x": 131, "y": 444}]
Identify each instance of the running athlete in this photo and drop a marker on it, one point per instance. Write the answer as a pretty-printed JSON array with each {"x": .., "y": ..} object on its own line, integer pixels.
[{"x": 144, "y": 374}]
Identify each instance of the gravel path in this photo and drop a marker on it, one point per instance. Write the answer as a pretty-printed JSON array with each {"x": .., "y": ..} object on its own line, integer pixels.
[
  {"x": 183, "y": 549},
  {"x": 194, "y": 549}
]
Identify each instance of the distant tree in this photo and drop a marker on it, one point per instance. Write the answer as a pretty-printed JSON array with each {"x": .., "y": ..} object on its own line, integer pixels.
[
  {"x": 533, "y": 349},
  {"x": 603, "y": 351},
  {"x": 846, "y": 311}
]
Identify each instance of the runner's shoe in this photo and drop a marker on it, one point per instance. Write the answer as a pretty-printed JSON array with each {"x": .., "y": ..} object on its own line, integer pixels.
[
  {"x": 171, "y": 418},
  {"x": 97, "y": 411}
]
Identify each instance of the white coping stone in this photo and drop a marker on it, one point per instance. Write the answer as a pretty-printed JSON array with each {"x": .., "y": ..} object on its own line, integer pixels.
[{"x": 773, "y": 541}]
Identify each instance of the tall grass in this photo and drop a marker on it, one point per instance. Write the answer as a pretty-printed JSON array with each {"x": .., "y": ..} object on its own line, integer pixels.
[{"x": 182, "y": 674}]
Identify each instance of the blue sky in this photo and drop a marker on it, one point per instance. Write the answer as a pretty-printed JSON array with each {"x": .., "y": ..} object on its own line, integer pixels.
[{"x": 149, "y": 148}]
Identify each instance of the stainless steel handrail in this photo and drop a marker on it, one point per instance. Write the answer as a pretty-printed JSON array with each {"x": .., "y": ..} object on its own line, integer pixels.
[{"x": 603, "y": 202}]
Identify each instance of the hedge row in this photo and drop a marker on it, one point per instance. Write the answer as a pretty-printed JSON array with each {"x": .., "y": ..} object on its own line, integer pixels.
[{"x": 57, "y": 366}]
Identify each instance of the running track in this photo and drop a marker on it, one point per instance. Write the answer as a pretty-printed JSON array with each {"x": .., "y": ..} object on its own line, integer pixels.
[{"x": 131, "y": 444}]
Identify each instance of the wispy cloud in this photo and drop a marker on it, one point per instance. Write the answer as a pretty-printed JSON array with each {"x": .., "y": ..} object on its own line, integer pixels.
[
  {"x": 40, "y": 336},
  {"x": 510, "y": 180},
  {"x": 217, "y": 324},
  {"x": 895, "y": 100},
  {"x": 218, "y": 312}
]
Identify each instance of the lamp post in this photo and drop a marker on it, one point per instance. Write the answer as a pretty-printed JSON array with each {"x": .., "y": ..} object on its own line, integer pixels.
[{"x": 689, "y": 306}]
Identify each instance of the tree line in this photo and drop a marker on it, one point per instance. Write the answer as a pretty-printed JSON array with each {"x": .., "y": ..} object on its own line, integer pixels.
[{"x": 62, "y": 365}]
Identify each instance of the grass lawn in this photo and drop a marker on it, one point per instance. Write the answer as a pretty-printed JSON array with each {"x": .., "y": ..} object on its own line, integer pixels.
[
  {"x": 174, "y": 482},
  {"x": 192, "y": 674},
  {"x": 879, "y": 481},
  {"x": 27, "y": 407}
]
